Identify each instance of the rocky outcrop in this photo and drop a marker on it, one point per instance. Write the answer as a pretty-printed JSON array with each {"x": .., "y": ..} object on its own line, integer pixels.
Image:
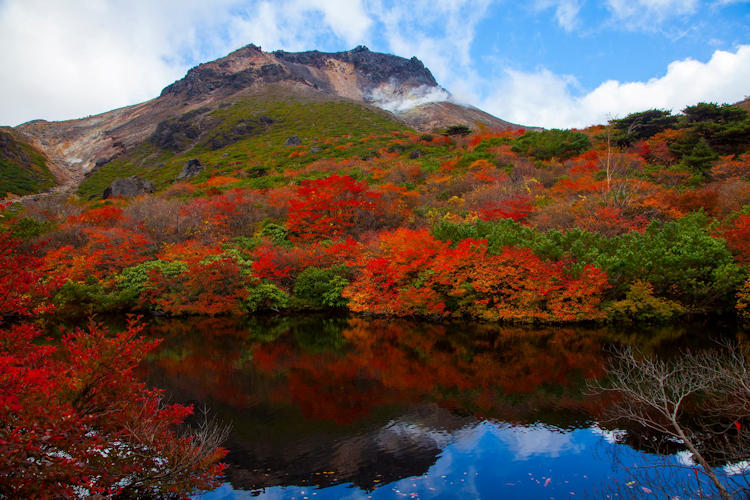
[
  {"x": 320, "y": 70},
  {"x": 192, "y": 168},
  {"x": 372, "y": 67},
  {"x": 293, "y": 141},
  {"x": 128, "y": 187}
]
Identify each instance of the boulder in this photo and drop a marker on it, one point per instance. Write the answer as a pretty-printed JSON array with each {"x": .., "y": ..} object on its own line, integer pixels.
[
  {"x": 293, "y": 141},
  {"x": 192, "y": 168},
  {"x": 128, "y": 187}
]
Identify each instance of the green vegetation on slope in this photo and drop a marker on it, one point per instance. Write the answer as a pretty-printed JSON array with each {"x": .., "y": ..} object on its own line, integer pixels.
[
  {"x": 247, "y": 139},
  {"x": 23, "y": 169}
]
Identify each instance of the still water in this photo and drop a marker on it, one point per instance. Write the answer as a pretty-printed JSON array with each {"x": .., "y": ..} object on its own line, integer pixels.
[{"x": 325, "y": 407}]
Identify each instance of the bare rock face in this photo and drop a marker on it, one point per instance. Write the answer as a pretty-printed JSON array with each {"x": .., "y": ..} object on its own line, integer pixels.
[
  {"x": 192, "y": 168},
  {"x": 354, "y": 73},
  {"x": 373, "y": 67},
  {"x": 128, "y": 187}
]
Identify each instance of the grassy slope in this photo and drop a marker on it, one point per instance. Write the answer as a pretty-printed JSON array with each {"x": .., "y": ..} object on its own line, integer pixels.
[
  {"x": 259, "y": 158},
  {"x": 23, "y": 168}
]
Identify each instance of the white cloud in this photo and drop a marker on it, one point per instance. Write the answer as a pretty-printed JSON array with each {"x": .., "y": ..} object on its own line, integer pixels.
[
  {"x": 440, "y": 33},
  {"x": 736, "y": 469},
  {"x": 647, "y": 14},
  {"x": 298, "y": 24},
  {"x": 390, "y": 97},
  {"x": 546, "y": 99},
  {"x": 538, "y": 440},
  {"x": 67, "y": 58},
  {"x": 48, "y": 72},
  {"x": 566, "y": 11}
]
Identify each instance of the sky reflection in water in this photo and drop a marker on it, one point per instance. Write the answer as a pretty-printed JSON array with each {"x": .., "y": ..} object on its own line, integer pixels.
[{"x": 352, "y": 408}]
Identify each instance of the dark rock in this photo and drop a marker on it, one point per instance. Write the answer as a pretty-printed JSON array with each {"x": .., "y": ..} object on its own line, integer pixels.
[
  {"x": 177, "y": 134},
  {"x": 192, "y": 168},
  {"x": 242, "y": 129},
  {"x": 373, "y": 66},
  {"x": 417, "y": 153},
  {"x": 128, "y": 187},
  {"x": 293, "y": 141}
]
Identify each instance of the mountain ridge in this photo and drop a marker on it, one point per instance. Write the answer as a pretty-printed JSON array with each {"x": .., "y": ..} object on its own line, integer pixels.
[{"x": 404, "y": 88}]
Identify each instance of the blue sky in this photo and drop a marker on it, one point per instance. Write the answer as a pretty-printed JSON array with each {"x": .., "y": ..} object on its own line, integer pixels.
[{"x": 554, "y": 63}]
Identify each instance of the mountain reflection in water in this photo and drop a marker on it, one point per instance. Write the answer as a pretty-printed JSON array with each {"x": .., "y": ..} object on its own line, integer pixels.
[{"x": 334, "y": 407}]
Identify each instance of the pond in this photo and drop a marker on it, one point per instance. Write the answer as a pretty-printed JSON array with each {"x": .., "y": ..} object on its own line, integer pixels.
[{"x": 347, "y": 407}]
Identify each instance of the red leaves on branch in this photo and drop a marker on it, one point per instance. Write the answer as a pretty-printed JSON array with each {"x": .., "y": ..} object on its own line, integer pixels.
[
  {"x": 22, "y": 289},
  {"x": 108, "y": 250},
  {"x": 107, "y": 215},
  {"x": 517, "y": 208},
  {"x": 74, "y": 420},
  {"x": 328, "y": 208},
  {"x": 211, "y": 287},
  {"x": 738, "y": 238}
]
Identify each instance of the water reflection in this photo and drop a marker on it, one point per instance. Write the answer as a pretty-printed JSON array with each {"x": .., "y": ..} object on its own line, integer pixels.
[{"x": 426, "y": 409}]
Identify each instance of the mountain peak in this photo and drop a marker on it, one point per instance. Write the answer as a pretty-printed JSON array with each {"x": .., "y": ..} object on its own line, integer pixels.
[{"x": 358, "y": 73}]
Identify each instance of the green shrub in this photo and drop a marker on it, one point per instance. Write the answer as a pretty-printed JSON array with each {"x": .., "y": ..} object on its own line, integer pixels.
[
  {"x": 83, "y": 299},
  {"x": 640, "y": 304},
  {"x": 265, "y": 297},
  {"x": 26, "y": 228},
  {"x": 276, "y": 233},
  {"x": 133, "y": 280},
  {"x": 554, "y": 143},
  {"x": 680, "y": 259},
  {"x": 320, "y": 288},
  {"x": 457, "y": 130},
  {"x": 641, "y": 125}
]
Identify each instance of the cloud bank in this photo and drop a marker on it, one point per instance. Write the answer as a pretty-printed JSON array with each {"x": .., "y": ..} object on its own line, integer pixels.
[{"x": 550, "y": 100}]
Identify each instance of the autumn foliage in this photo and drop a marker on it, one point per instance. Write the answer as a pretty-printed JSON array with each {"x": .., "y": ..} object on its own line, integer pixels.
[
  {"x": 413, "y": 273},
  {"x": 327, "y": 208},
  {"x": 547, "y": 226},
  {"x": 74, "y": 419}
]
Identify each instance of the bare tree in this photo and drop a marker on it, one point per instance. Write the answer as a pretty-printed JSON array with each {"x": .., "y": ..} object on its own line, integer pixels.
[{"x": 699, "y": 399}]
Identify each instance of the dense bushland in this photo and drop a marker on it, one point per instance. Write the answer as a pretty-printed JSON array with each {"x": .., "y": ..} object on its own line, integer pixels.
[{"x": 646, "y": 218}]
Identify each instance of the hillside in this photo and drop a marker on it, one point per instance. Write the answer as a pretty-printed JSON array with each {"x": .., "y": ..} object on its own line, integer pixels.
[
  {"x": 271, "y": 204},
  {"x": 221, "y": 107},
  {"x": 23, "y": 168}
]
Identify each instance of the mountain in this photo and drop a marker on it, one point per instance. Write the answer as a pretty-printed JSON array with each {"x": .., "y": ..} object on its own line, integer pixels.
[{"x": 254, "y": 96}]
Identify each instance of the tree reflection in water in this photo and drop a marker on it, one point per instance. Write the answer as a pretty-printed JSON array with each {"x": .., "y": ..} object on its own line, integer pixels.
[{"x": 321, "y": 401}]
